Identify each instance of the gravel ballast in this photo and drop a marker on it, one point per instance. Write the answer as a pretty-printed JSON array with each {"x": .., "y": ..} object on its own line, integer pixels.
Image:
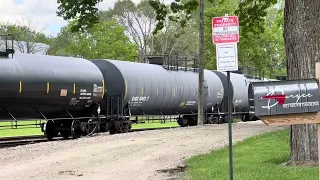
[{"x": 136, "y": 155}]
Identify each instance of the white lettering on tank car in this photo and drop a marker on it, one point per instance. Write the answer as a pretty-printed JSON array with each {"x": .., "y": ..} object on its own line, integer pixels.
[
  {"x": 85, "y": 94},
  {"x": 140, "y": 98},
  {"x": 238, "y": 101},
  {"x": 97, "y": 90},
  {"x": 73, "y": 101},
  {"x": 84, "y": 97},
  {"x": 190, "y": 103},
  {"x": 89, "y": 102}
]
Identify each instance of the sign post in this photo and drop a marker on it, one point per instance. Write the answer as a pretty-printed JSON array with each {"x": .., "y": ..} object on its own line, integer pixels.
[{"x": 225, "y": 34}]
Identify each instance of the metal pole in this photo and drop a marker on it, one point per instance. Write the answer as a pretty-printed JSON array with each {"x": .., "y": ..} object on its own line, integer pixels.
[
  {"x": 201, "y": 57},
  {"x": 230, "y": 127}
]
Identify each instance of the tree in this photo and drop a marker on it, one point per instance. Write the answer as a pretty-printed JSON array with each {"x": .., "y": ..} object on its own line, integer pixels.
[
  {"x": 177, "y": 41},
  {"x": 301, "y": 34},
  {"x": 84, "y": 11},
  {"x": 26, "y": 38},
  {"x": 138, "y": 21},
  {"x": 104, "y": 40}
]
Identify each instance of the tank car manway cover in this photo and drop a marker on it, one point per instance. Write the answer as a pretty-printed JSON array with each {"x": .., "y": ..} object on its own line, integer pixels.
[{"x": 277, "y": 102}]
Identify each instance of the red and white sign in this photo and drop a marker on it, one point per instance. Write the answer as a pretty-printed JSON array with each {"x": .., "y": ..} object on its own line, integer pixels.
[{"x": 225, "y": 29}]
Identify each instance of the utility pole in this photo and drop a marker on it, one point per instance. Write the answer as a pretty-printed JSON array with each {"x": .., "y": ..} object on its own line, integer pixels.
[{"x": 201, "y": 59}]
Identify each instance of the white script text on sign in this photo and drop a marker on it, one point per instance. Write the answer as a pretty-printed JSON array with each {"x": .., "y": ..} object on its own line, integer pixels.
[
  {"x": 227, "y": 57},
  {"x": 225, "y": 29}
]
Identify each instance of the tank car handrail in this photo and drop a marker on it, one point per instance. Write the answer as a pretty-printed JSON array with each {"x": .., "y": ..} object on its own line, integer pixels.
[
  {"x": 7, "y": 50},
  {"x": 9, "y": 113}
]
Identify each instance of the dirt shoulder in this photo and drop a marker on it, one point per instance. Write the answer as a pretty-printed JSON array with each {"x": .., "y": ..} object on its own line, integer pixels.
[{"x": 137, "y": 155}]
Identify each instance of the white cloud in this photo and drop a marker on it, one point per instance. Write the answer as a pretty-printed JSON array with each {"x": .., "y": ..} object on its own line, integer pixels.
[{"x": 42, "y": 13}]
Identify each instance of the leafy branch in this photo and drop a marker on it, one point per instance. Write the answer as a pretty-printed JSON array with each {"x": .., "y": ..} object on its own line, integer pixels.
[{"x": 83, "y": 10}]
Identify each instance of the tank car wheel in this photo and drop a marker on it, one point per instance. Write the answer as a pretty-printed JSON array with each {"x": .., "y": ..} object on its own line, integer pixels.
[
  {"x": 243, "y": 118},
  {"x": 223, "y": 120},
  {"x": 183, "y": 122},
  {"x": 126, "y": 126},
  {"x": 104, "y": 127},
  {"x": 75, "y": 129},
  {"x": 130, "y": 125},
  {"x": 255, "y": 118},
  {"x": 65, "y": 134},
  {"x": 49, "y": 130},
  {"x": 192, "y": 121},
  {"x": 246, "y": 118},
  {"x": 112, "y": 129},
  {"x": 205, "y": 120},
  {"x": 213, "y": 120}
]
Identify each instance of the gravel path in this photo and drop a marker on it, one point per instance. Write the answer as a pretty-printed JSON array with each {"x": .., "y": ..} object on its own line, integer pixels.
[{"x": 137, "y": 155}]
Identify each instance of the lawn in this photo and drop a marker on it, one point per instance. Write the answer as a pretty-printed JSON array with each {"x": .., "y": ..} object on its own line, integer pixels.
[
  {"x": 24, "y": 128},
  {"x": 257, "y": 158},
  {"x": 154, "y": 125},
  {"x": 31, "y": 129}
]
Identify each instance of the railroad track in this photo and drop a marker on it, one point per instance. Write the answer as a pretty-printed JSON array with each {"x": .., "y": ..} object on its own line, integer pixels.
[
  {"x": 20, "y": 140},
  {"x": 7, "y": 142},
  {"x": 147, "y": 129}
]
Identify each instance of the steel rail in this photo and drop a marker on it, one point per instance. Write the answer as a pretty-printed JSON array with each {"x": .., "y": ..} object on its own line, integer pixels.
[{"x": 6, "y": 142}]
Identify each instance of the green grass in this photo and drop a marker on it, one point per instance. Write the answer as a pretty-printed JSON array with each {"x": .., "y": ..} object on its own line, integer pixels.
[
  {"x": 33, "y": 130},
  {"x": 154, "y": 125},
  {"x": 20, "y": 132},
  {"x": 28, "y": 129},
  {"x": 256, "y": 158}
]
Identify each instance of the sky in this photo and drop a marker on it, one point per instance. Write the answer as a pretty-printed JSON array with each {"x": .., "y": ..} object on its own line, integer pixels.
[{"x": 41, "y": 13}]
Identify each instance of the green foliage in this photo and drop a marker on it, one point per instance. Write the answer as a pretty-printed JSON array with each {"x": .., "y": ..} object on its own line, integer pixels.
[
  {"x": 139, "y": 22},
  {"x": 23, "y": 33},
  {"x": 251, "y": 15},
  {"x": 250, "y": 12},
  {"x": 259, "y": 157},
  {"x": 177, "y": 41},
  {"x": 177, "y": 8},
  {"x": 180, "y": 11},
  {"x": 263, "y": 50},
  {"x": 137, "y": 19},
  {"x": 105, "y": 40},
  {"x": 26, "y": 39},
  {"x": 84, "y": 11},
  {"x": 174, "y": 39}
]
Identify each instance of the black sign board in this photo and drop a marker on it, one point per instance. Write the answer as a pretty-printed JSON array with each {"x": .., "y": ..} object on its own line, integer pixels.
[{"x": 284, "y": 97}]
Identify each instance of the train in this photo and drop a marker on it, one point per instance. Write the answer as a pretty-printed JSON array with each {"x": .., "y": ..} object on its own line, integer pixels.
[{"x": 77, "y": 96}]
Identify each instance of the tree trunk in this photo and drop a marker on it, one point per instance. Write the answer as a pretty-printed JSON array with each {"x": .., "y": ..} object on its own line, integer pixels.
[
  {"x": 302, "y": 44},
  {"x": 201, "y": 64}
]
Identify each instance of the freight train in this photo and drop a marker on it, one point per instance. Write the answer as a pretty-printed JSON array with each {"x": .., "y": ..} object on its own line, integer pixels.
[{"x": 77, "y": 96}]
